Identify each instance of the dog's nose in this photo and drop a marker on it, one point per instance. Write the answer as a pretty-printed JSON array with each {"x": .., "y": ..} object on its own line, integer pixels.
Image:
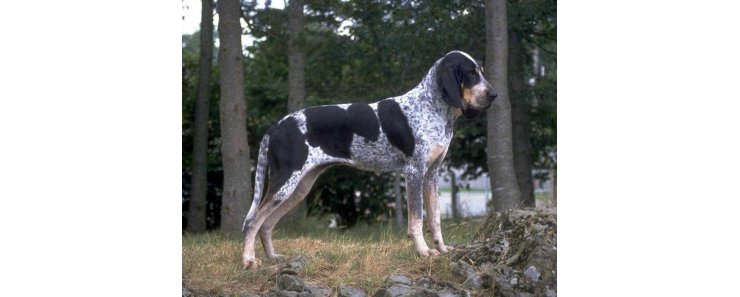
[{"x": 492, "y": 94}]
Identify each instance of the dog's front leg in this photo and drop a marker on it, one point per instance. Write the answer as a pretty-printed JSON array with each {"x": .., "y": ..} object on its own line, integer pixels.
[
  {"x": 431, "y": 202},
  {"x": 414, "y": 196}
]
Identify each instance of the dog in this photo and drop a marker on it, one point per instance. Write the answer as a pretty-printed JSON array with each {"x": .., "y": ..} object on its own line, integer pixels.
[{"x": 408, "y": 134}]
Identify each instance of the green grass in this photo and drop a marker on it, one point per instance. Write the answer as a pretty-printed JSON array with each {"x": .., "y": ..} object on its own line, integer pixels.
[{"x": 362, "y": 256}]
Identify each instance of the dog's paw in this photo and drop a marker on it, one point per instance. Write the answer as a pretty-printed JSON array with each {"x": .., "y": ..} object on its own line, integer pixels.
[
  {"x": 252, "y": 263},
  {"x": 445, "y": 248},
  {"x": 277, "y": 257},
  {"x": 428, "y": 252}
]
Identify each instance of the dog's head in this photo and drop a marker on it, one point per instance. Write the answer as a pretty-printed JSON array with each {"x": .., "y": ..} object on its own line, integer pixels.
[{"x": 463, "y": 86}]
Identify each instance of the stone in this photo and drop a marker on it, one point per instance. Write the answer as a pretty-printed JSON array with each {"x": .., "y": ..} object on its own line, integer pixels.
[
  {"x": 296, "y": 264},
  {"x": 290, "y": 283},
  {"x": 186, "y": 292},
  {"x": 466, "y": 274},
  {"x": 282, "y": 294},
  {"x": 532, "y": 273},
  {"x": 521, "y": 249},
  {"x": 399, "y": 279},
  {"x": 347, "y": 291},
  {"x": 288, "y": 271},
  {"x": 310, "y": 290},
  {"x": 424, "y": 282},
  {"x": 396, "y": 290}
]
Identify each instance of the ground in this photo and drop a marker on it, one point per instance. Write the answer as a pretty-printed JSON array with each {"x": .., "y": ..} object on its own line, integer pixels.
[
  {"x": 362, "y": 257},
  {"x": 513, "y": 253}
]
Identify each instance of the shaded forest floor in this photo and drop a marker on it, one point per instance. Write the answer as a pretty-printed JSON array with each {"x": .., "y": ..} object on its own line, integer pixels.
[{"x": 362, "y": 257}]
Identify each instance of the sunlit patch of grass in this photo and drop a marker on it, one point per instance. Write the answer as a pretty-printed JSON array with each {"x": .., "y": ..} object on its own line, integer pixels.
[{"x": 363, "y": 257}]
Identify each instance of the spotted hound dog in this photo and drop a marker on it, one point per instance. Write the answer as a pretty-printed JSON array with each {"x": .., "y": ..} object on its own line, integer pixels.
[{"x": 408, "y": 134}]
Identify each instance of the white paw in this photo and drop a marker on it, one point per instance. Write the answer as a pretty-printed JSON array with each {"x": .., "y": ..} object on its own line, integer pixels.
[
  {"x": 251, "y": 263},
  {"x": 277, "y": 257},
  {"x": 424, "y": 253},
  {"x": 445, "y": 248}
]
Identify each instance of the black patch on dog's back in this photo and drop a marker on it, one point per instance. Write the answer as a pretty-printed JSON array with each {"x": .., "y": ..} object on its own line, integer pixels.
[
  {"x": 328, "y": 128},
  {"x": 363, "y": 122},
  {"x": 287, "y": 152},
  {"x": 396, "y": 126}
]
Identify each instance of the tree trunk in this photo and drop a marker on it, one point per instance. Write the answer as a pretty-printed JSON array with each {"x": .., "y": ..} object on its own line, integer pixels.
[
  {"x": 399, "y": 201},
  {"x": 199, "y": 181},
  {"x": 504, "y": 187},
  {"x": 454, "y": 196},
  {"x": 233, "y": 111},
  {"x": 554, "y": 192},
  {"x": 520, "y": 121},
  {"x": 296, "y": 87},
  {"x": 296, "y": 57}
]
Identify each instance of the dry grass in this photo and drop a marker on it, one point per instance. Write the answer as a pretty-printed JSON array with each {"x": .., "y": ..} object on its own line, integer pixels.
[{"x": 362, "y": 257}]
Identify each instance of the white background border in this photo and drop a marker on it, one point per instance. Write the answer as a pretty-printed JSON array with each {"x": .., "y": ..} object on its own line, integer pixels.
[{"x": 90, "y": 116}]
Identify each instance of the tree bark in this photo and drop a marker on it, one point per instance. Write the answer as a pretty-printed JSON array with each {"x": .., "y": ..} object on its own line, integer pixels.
[
  {"x": 199, "y": 182},
  {"x": 504, "y": 187},
  {"x": 233, "y": 112},
  {"x": 296, "y": 57},
  {"x": 520, "y": 121},
  {"x": 454, "y": 196},
  {"x": 296, "y": 86},
  {"x": 554, "y": 192}
]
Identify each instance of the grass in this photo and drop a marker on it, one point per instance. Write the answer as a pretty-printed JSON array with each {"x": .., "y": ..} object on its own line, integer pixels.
[{"x": 363, "y": 257}]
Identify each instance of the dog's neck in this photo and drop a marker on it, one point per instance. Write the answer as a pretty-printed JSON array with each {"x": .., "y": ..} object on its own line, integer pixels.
[{"x": 429, "y": 94}]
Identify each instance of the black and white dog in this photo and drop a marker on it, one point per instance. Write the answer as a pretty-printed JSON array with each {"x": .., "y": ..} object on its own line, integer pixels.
[{"x": 408, "y": 134}]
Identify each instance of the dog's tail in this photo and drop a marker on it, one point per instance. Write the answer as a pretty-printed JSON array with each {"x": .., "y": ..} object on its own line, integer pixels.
[{"x": 260, "y": 176}]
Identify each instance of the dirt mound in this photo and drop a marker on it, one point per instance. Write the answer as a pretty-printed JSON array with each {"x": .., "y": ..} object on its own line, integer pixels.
[{"x": 517, "y": 255}]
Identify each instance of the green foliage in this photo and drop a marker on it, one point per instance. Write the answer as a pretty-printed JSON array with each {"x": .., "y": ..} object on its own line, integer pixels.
[{"x": 536, "y": 22}]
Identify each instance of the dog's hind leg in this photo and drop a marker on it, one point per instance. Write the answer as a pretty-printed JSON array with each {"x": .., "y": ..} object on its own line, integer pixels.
[
  {"x": 304, "y": 186},
  {"x": 267, "y": 206}
]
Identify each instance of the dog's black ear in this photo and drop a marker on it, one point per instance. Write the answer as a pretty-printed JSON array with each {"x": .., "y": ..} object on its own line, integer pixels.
[{"x": 449, "y": 81}]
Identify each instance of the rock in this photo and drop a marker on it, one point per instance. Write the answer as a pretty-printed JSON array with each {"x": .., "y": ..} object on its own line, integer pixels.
[
  {"x": 289, "y": 282},
  {"x": 347, "y": 291},
  {"x": 295, "y": 266},
  {"x": 395, "y": 290},
  {"x": 289, "y": 271},
  {"x": 427, "y": 286},
  {"x": 297, "y": 263},
  {"x": 466, "y": 274},
  {"x": 276, "y": 293},
  {"x": 399, "y": 279},
  {"x": 532, "y": 273},
  {"x": 186, "y": 292},
  {"x": 424, "y": 282},
  {"x": 518, "y": 256},
  {"x": 310, "y": 290}
]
